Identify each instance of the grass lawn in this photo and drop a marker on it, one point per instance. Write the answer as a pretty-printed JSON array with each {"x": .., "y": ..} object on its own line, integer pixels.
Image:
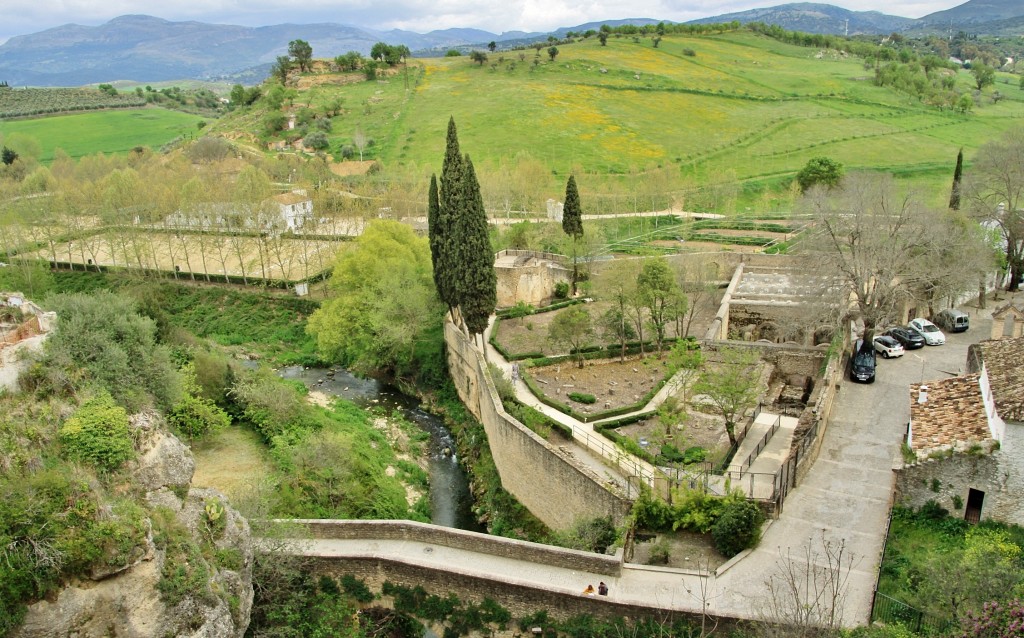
[
  {"x": 232, "y": 461},
  {"x": 113, "y": 131}
]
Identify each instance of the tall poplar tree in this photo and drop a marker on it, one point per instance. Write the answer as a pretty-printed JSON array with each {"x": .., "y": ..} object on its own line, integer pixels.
[
  {"x": 954, "y": 196},
  {"x": 444, "y": 241},
  {"x": 572, "y": 223},
  {"x": 477, "y": 282}
]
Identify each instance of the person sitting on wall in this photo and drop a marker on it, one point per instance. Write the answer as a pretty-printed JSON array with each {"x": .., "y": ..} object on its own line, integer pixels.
[
  {"x": 602, "y": 589},
  {"x": 589, "y": 591}
]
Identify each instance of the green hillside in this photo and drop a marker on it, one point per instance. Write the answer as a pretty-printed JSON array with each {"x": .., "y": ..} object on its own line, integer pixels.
[{"x": 731, "y": 108}]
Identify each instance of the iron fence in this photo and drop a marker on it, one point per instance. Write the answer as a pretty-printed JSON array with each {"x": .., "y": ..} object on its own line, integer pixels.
[{"x": 888, "y": 610}]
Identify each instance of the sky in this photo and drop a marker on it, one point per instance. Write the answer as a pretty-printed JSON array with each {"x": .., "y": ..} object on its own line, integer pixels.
[{"x": 18, "y": 17}]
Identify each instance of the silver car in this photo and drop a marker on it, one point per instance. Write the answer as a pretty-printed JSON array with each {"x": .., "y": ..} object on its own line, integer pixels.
[{"x": 931, "y": 333}]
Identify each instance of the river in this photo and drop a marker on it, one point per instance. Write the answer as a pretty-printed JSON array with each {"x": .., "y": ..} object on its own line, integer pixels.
[{"x": 450, "y": 499}]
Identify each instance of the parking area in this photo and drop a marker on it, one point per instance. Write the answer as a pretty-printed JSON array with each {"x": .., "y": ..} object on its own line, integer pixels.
[{"x": 847, "y": 495}]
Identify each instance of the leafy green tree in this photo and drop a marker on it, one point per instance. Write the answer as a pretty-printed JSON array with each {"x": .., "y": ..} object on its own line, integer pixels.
[
  {"x": 731, "y": 385},
  {"x": 964, "y": 104},
  {"x": 280, "y": 68},
  {"x": 572, "y": 224},
  {"x": 984, "y": 75},
  {"x": 196, "y": 416},
  {"x": 602, "y": 37},
  {"x": 658, "y": 290},
  {"x": 383, "y": 305},
  {"x": 237, "y": 95},
  {"x": 7, "y": 156},
  {"x": 572, "y": 327},
  {"x": 492, "y": 45},
  {"x": 954, "y": 195},
  {"x": 317, "y": 140},
  {"x": 350, "y": 61},
  {"x": 478, "y": 56},
  {"x": 478, "y": 283},
  {"x": 552, "y": 53},
  {"x": 302, "y": 53},
  {"x": 820, "y": 170}
]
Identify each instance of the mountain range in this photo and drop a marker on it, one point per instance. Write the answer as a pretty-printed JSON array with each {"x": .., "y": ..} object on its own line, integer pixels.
[{"x": 149, "y": 49}]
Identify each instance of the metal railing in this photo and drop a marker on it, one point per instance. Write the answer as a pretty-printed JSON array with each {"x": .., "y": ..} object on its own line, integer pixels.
[
  {"x": 888, "y": 610},
  {"x": 623, "y": 460},
  {"x": 760, "y": 446}
]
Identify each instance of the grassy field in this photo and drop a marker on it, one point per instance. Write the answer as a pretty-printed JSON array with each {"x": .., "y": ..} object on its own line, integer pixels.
[
  {"x": 115, "y": 131},
  {"x": 744, "y": 110}
]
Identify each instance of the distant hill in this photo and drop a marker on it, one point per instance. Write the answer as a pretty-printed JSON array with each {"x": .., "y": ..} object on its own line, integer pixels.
[
  {"x": 976, "y": 12},
  {"x": 149, "y": 49},
  {"x": 817, "y": 18}
]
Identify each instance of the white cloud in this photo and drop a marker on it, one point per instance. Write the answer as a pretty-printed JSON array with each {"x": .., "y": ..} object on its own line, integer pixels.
[{"x": 29, "y": 16}]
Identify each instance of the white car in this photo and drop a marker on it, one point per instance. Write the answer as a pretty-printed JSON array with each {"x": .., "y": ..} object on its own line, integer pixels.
[
  {"x": 931, "y": 333},
  {"x": 887, "y": 347}
]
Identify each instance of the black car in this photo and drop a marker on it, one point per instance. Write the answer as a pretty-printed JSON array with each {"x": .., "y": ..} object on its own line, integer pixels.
[
  {"x": 862, "y": 362},
  {"x": 908, "y": 338}
]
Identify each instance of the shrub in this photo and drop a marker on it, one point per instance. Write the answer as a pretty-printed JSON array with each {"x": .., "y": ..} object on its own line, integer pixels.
[
  {"x": 561, "y": 290},
  {"x": 694, "y": 454},
  {"x": 356, "y": 588},
  {"x": 195, "y": 417},
  {"x": 659, "y": 553},
  {"x": 738, "y": 527},
  {"x": 580, "y": 397},
  {"x": 98, "y": 433}
]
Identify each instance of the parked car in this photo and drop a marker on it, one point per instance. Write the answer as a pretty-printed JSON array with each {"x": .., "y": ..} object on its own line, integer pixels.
[
  {"x": 862, "y": 363},
  {"x": 931, "y": 333},
  {"x": 908, "y": 338},
  {"x": 953, "y": 320},
  {"x": 888, "y": 347}
]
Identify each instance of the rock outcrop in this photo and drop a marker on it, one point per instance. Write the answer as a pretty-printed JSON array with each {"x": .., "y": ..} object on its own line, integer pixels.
[{"x": 191, "y": 577}]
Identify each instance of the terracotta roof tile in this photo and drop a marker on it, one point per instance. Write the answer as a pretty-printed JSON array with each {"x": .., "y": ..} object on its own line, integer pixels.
[
  {"x": 953, "y": 413},
  {"x": 1004, "y": 361}
]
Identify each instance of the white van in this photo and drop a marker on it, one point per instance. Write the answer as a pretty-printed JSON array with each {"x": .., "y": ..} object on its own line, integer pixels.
[{"x": 953, "y": 320}]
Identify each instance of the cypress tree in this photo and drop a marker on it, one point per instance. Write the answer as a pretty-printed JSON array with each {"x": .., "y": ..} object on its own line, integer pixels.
[
  {"x": 478, "y": 284},
  {"x": 954, "y": 196},
  {"x": 444, "y": 239},
  {"x": 433, "y": 234},
  {"x": 572, "y": 222}
]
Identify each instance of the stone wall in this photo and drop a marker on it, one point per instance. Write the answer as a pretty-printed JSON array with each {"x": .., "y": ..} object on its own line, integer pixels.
[
  {"x": 528, "y": 465},
  {"x": 530, "y": 280},
  {"x": 521, "y": 600},
  {"x": 465, "y": 540},
  {"x": 999, "y": 474}
]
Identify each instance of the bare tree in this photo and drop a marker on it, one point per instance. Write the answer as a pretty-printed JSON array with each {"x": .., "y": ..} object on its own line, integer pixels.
[
  {"x": 806, "y": 594},
  {"x": 360, "y": 141},
  {"x": 876, "y": 241},
  {"x": 994, "y": 190},
  {"x": 699, "y": 286}
]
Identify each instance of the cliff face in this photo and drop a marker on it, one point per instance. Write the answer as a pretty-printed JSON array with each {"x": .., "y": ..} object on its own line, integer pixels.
[{"x": 191, "y": 577}]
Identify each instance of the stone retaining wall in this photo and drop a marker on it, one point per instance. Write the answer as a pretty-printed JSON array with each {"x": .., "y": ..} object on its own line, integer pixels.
[
  {"x": 528, "y": 465},
  {"x": 465, "y": 540},
  {"x": 520, "y": 600}
]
